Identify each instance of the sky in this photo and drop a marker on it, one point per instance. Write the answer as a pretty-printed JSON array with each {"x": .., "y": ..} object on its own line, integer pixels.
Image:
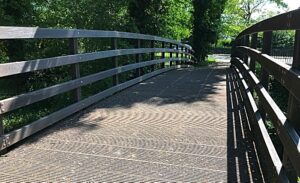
[{"x": 293, "y": 4}]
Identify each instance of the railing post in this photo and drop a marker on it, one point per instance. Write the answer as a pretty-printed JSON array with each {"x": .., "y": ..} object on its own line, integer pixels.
[
  {"x": 114, "y": 46},
  {"x": 2, "y": 132},
  {"x": 246, "y": 43},
  {"x": 177, "y": 54},
  {"x": 171, "y": 54},
  {"x": 75, "y": 68},
  {"x": 293, "y": 109},
  {"x": 138, "y": 59},
  {"x": 152, "y": 55},
  {"x": 253, "y": 45},
  {"x": 182, "y": 54},
  {"x": 264, "y": 78},
  {"x": 163, "y": 55}
]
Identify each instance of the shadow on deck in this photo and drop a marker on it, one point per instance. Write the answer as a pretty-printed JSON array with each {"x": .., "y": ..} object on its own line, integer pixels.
[{"x": 186, "y": 125}]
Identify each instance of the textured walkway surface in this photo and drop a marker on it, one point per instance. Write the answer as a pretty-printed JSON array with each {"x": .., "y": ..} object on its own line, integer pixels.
[{"x": 184, "y": 125}]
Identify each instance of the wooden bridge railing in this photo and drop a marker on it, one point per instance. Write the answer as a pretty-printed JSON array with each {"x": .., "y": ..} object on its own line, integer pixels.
[
  {"x": 179, "y": 53},
  {"x": 245, "y": 55}
]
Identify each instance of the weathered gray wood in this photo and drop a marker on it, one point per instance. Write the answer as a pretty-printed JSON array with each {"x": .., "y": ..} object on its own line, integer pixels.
[
  {"x": 138, "y": 59},
  {"x": 20, "y": 134},
  {"x": 266, "y": 148},
  {"x": 7, "y": 32},
  {"x": 9, "y": 69},
  {"x": 75, "y": 68},
  {"x": 114, "y": 46},
  {"x": 287, "y": 134},
  {"x": 22, "y": 100}
]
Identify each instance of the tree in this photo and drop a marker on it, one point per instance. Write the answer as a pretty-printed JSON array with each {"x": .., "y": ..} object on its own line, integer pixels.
[
  {"x": 239, "y": 14},
  {"x": 207, "y": 16}
]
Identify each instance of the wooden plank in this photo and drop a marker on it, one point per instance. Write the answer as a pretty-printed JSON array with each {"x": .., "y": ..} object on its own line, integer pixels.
[
  {"x": 28, "y": 130},
  {"x": 22, "y": 100},
  {"x": 75, "y": 68},
  {"x": 287, "y": 134},
  {"x": 14, "y": 68},
  {"x": 266, "y": 147},
  {"x": 293, "y": 113},
  {"x": 294, "y": 104},
  {"x": 285, "y": 21},
  {"x": 8, "y": 32},
  {"x": 288, "y": 77}
]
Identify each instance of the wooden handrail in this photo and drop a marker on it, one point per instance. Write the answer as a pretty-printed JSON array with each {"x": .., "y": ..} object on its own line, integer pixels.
[
  {"x": 287, "y": 126},
  {"x": 73, "y": 59}
]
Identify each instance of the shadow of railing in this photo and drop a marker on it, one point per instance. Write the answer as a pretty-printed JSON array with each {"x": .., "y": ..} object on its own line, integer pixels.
[{"x": 243, "y": 163}]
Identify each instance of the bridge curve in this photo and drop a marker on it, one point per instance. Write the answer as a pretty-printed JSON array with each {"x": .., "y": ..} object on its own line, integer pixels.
[{"x": 176, "y": 126}]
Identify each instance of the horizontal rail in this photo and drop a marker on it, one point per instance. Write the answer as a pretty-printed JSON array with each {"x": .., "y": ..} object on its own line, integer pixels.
[
  {"x": 264, "y": 139},
  {"x": 288, "y": 77},
  {"x": 28, "y": 130},
  {"x": 8, "y": 32},
  {"x": 22, "y": 100},
  {"x": 287, "y": 134},
  {"x": 14, "y": 68},
  {"x": 285, "y": 21}
]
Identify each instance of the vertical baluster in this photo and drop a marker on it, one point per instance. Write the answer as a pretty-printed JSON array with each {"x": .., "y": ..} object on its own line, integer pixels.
[
  {"x": 152, "y": 55},
  {"x": 138, "y": 71},
  {"x": 246, "y": 43},
  {"x": 293, "y": 108},
  {"x": 2, "y": 133},
  {"x": 171, "y": 54},
  {"x": 264, "y": 78},
  {"x": 75, "y": 68},
  {"x": 177, "y": 54},
  {"x": 163, "y": 55},
  {"x": 182, "y": 54},
  {"x": 253, "y": 45},
  {"x": 114, "y": 46}
]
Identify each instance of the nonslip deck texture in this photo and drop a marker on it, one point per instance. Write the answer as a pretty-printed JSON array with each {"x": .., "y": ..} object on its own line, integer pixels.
[{"x": 185, "y": 125}]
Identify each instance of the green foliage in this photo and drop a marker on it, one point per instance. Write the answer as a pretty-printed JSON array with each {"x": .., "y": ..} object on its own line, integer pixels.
[
  {"x": 240, "y": 14},
  {"x": 170, "y": 18},
  {"x": 207, "y": 16}
]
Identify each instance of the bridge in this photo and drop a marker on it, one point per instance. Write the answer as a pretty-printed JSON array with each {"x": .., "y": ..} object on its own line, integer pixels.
[{"x": 166, "y": 119}]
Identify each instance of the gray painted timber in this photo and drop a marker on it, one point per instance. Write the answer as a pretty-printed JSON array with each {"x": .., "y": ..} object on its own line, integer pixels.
[
  {"x": 22, "y": 100},
  {"x": 39, "y": 64},
  {"x": 8, "y": 32},
  {"x": 26, "y": 131}
]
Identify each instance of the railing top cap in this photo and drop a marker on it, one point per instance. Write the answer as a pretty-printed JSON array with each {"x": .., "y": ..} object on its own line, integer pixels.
[
  {"x": 9, "y": 32},
  {"x": 285, "y": 21}
]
